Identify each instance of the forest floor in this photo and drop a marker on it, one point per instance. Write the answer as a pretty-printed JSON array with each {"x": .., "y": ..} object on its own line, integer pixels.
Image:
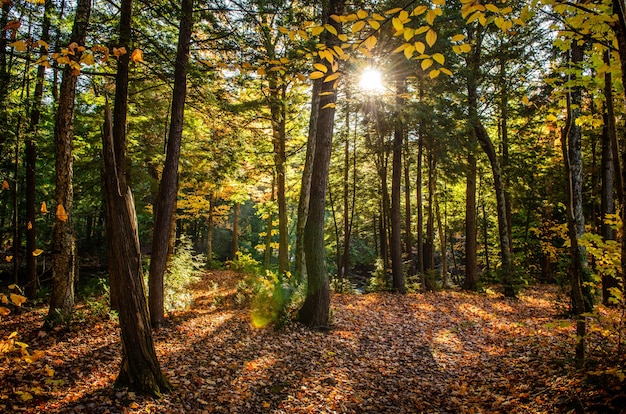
[{"x": 442, "y": 352}]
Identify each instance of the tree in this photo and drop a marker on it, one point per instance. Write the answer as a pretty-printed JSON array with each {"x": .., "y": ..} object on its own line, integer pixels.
[
  {"x": 316, "y": 307},
  {"x": 140, "y": 369},
  {"x": 62, "y": 295},
  {"x": 168, "y": 188}
]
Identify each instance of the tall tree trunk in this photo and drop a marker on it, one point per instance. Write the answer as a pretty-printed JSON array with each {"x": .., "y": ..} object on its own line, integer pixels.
[
  {"x": 420, "y": 207},
  {"x": 316, "y": 307},
  {"x": 397, "y": 271},
  {"x": 32, "y": 285},
  {"x": 5, "y": 74},
  {"x": 344, "y": 263},
  {"x": 305, "y": 185},
  {"x": 235, "y": 242},
  {"x": 279, "y": 137},
  {"x": 270, "y": 229},
  {"x": 168, "y": 188},
  {"x": 64, "y": 251},
  {"x": 210, "y": 224},
  {"x": 619, "y": 10},
  {"x": 140, "y": 369},
  {"x": 408, "y": 234},
  {"x": 609, "y": 137},
  {"x": 471, "y": 262},
  {"x": 445, "y": 276},
  {"x": 572, "y": 152},
  {"x": 429, "y": 244},
  {"x": 480, "y": 133}
]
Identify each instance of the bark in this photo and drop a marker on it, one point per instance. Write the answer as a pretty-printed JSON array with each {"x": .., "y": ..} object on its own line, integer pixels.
[
  {"x": 408, "y": 236},
  {"x": 210, "y": 224},
  {"x": 316, "y": 307},
  {"x": 305, "y": 186},
  {"x": 619, "y": 9},
  {"x": 235, "y": 241},
  {"x": 397, "y": 271},
  {"x": 279, "y": 137},
  {"x": 270, "y": 229},
  {"x": 429, "y": 244},
  {"x": 140, "y": 369},
  {"x": 32, "y": 285},
  {"x": 609, "y": 137},
  {"x": 572, "y": 153},
  {"x": 445, "y": 276},
  {"x": 64, "y": 251},
  {"x": 5, "y": 74},
  {"x": 420, "y": 207},
  {"x": 487, "y": 146},
  {"x": 168, "y": 188},
  {"x": 471, "y": 262}
]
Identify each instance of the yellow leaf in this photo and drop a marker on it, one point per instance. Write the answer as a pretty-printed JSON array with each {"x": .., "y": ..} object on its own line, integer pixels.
[
  {"x": 343, "y": 37},
  {"x": 434, "y": 73},
  {"x": 393, "y": 11},
  {"x": 419, "y": 10},
  {"x": 332, "y": 77},
  {"x": 44, "y": 210},
  {"x": 261, "y": 71},
  {"x": 492, "y": 7},
  {"x": 20, "y": 45},
  {"x": 370, "y": 42},
  {"x": 401, "y": 48},
  {"x": 316, "y": 75},
  {"x": 5, "y": 185},
  {"x": 8, "y": 258},
  {"x": 331, "y": 29},
  {"x": 329, "y": 105},
  {"x": 408, "y": 33},
  {"x": 338, "y": 19},
  {"x": 320, "y": 67},
  {"x": 317, "y": 30},
  {"x": 420, "y": 47},
  {"x": 365, "y": 52},
  {"x": 458, "y": 38},
  {"x": 426, "y": 63},
  {"x": 358, "y": 26},
  {"x": 430, "y": 17},
  {"x": 17, "y": 299},
  {"x": 446, "y": 71},
  {"x": 397, "y": 24},
  {"x": 37, "y": 252},
  {"x": 136, "y": 56},
  {"x": 431, "y": 37},
  {"x": 4, "y": 311},
  {"x": 465, "y": 48},
  {"x": 87, "y": 59},
  {"x": 61, "y": 213},
  {"x": 525, "y": 100},
  {"x": 133, "y": 405},
  {"x": 421, "y": 29},
  {"x": 439, "y": 58},
  {"x": 408, "y": 51},
  {"x": 379, "y": 17},
  {"x": 439, "y": 2},
  {"x": 362, "y": 14},
  {"x": 404, "y": 16},
  {"x": 374, "y": 23},
  {"x": 29, "y": 225},
  {"x": 49, "y": 371},
  {"x": 117, "y": 52}
]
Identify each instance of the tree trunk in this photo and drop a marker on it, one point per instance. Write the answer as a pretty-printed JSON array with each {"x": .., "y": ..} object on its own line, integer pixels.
[
  {"x": 210, "y": 224},
  {"x": 63, "y": 269},
  {"x": 471, "y": 266},
  {"x": 572, "y": 154},
  {"x": 619, "y": 9},
  {"x": 235, "y": 244},
  {"x": 168, "y": 188},
  {"x": 609, "y": 137},
  {"x": 140, "y": 369},
  {"x": 429, "y": 244},
  {"x": 397, "y": 271},
  {"x": 305, "y": 186},
  {"x": 408, "y": 235},
  {"x": 442, "y": 243},
  {"x": 486, "y": 144},
  {"x": 420, "y": 207},
  {"x": 32, "y": 285},
  {"x": 316, "y": 307},
  {"x": 270, "y": 229}
]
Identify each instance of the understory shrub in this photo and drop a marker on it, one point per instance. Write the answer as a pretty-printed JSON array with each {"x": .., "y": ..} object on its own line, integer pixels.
[{"x": 183, "y": 269}]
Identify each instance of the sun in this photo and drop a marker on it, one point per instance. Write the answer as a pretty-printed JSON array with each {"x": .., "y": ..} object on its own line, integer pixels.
[{"x": 371, "y": 80}]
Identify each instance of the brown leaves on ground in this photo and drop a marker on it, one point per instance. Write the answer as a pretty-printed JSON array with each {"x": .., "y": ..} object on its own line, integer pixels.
[{"x": 387, "y": 353}]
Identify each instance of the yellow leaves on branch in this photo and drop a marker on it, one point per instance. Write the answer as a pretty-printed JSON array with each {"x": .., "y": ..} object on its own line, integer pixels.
[{"x": 61, "y": 214}]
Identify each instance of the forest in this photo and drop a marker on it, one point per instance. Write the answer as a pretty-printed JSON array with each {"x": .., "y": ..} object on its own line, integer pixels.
[{"x": 242, "y": 206}]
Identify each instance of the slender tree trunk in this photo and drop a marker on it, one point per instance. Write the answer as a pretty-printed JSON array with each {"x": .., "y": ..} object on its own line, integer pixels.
[
  {"x": 486, "y": 144},
  {"x": 408, "y": 235},
  {"x": 572, "y": 151},
  {"x": 31, "y": 163},
  {"x": 235, "y": 244},
  {"x": 210, "y": 224},
  {"x": 270, "y": 229},
  {"x": 64, "y": 251},
  {"x": 471, "y": 263},
  {"x": 5, "y": 74},
  {"x": 140, "y": 369},
  {"x": 168, "y": 188},
  {"x": 445, "y": 276},
  {"x": 316, "y": 307},
  {"x": 609, "y": 137},
  {"x": 305, "y": 186},
  {"x": 397, "y": 271},
  {"x": 619, "y": 10},
  {"x": 429, "y": 245},
  {"x": 420, "y": 208},
  {"x": 344, "y": 262}
]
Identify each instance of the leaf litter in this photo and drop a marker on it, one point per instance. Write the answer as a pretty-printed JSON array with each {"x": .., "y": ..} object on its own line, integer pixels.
[{"x": 442, "y": 352}]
